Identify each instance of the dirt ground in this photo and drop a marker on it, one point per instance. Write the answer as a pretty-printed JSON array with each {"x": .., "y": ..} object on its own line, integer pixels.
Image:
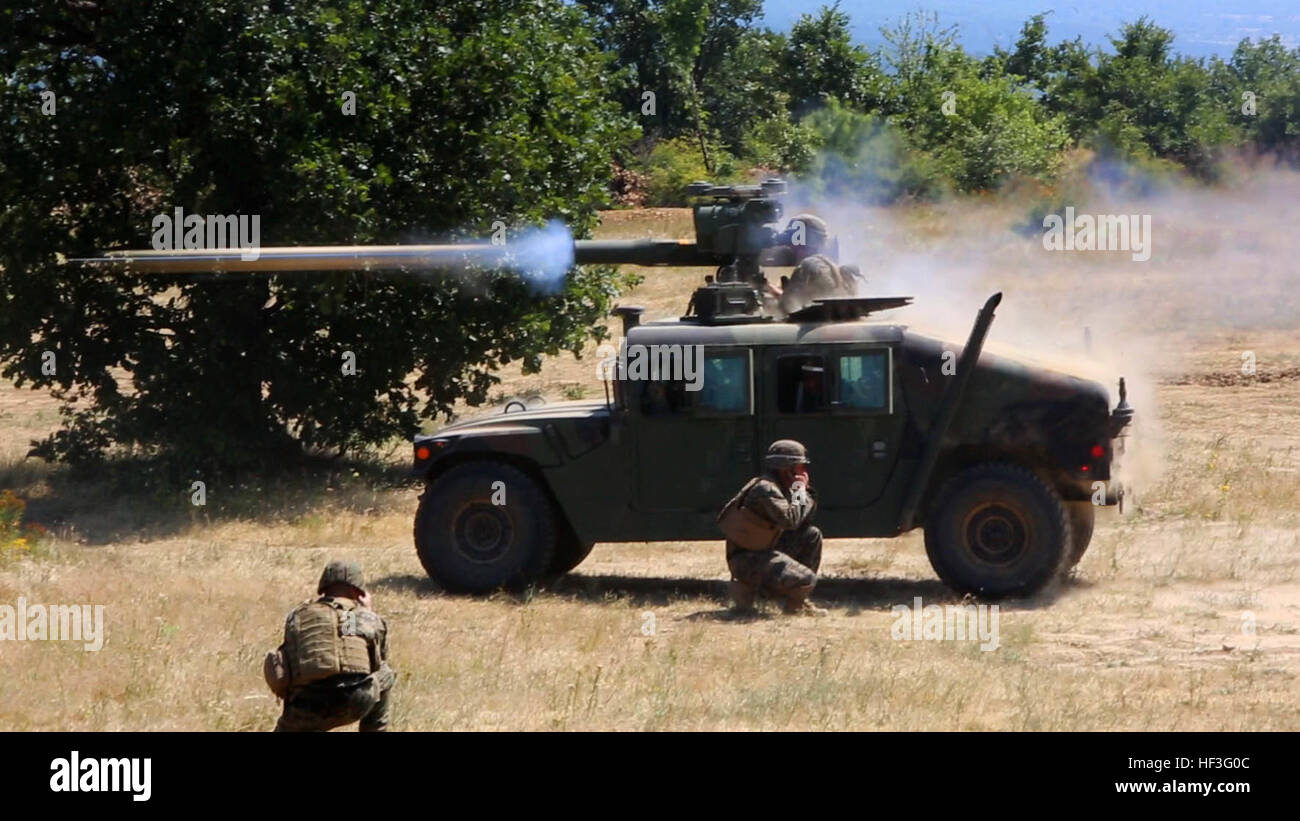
[{"x": 1184, "y": 614}]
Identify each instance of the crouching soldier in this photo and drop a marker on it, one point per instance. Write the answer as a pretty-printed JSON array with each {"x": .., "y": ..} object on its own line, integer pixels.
[
  {"x": 771, "y": 546},
  {"x": 332, "y": 668}
]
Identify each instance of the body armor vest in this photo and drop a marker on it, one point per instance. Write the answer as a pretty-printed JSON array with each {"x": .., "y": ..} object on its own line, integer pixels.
[{"x": 323, "y": 642}]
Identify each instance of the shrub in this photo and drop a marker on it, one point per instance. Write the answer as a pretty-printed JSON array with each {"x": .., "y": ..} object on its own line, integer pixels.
[
  {"x": 676, "y": 163},
  {"x": 17, "y": 540}
]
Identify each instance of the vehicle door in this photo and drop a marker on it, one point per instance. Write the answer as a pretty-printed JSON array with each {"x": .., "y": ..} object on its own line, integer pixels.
[
  {"x": 696, "y": 440},
  {"x": 840, "y": 401}
]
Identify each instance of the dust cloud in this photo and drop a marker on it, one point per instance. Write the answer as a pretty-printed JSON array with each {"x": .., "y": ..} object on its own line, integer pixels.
[{"x": 1224, "y": 263}]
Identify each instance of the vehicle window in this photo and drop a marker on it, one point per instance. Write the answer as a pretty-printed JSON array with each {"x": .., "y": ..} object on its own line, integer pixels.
[
  {"x": 864, "y": 381},
  {"x": 664, "y": 397},
  {"x": 720, "y": 386},
  {"x": 801, "y": 384},
  {"x": 724, "y": 384}
]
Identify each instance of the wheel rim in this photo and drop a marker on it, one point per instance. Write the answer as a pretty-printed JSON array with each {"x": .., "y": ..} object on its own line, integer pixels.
[
  {"x": 996, "y": 534},
  {"x": 482, "y": 533}
]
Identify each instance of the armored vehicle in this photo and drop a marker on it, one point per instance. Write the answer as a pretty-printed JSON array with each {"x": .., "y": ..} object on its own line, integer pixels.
[{"x": 1002, "y": 464}]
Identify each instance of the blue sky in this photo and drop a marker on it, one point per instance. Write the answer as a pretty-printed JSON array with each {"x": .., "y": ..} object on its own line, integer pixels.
[{"x": 1201, "y": 27}]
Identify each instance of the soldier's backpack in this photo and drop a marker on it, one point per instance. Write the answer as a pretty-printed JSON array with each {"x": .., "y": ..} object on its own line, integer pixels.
[
  {"x": 321, "y": 641},
  {"x": 745, "y": 527}
]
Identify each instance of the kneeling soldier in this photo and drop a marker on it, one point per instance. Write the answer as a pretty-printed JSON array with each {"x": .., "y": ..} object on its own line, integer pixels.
[
  {"x": 771, "y": 546},
  {"x": 333, "y": 668}
]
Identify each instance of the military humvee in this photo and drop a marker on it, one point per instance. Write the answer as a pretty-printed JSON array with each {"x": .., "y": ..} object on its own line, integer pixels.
[{"x": 1003, "y": 465}]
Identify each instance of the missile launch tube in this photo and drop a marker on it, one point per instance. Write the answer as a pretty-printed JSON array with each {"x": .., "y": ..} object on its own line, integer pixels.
[
  {"x": 306, "y": 258},
  {"x": 398, "y": 257},
  {"x": 681, "y": 253}
]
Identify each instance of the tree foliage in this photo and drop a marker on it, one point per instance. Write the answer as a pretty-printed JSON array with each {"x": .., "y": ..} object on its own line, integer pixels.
[
  {"x": 466, "y": 112},
  {"x": 821, "y": 62},
  {"x": 469, "y": 112},
  {"x": 1261, "y": 85}
]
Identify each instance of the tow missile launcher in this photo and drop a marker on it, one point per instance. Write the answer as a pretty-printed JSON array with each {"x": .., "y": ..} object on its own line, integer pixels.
[
  {"x": 1002, "y": 463},
  {"x": 736, "y": 232}
]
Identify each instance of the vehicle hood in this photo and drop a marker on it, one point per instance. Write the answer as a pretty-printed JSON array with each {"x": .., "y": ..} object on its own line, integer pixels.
[{"x": 578, "y": 410}]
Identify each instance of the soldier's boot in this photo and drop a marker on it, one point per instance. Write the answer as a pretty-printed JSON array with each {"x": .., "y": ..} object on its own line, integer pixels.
[
  {"x": 797, "y": 604},
  {"x": 742, "y": 597}
]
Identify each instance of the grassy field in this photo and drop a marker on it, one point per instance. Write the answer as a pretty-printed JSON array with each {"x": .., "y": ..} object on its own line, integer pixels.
[{"x": 1185, "y": 614}]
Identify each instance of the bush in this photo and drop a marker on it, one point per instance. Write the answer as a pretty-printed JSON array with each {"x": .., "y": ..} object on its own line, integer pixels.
[
  {"x": 676, "y": 163},
  {"x": 780, "y": 144},
  {"x": 862, "y": 157},
  {"x": 978, "y": 123},
  {"x": 17, "y": 540},
  {"x": 1090, "y": 176},
  {"x": 998, "y": 131}
]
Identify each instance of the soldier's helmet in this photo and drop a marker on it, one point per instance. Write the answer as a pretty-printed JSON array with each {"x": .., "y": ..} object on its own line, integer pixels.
[
  {"x": 341, "y": 570},
  {"x": 786, "y": 453},
  {"x": 807, "y": 232}
]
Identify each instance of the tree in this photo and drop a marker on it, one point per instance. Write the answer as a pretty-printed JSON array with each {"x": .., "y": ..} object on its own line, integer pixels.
[
  {"x": 465, "y": 113},
  {"x": 672, "y": 48},
  {"x": 1072, "y": 88},
  {"x": 862, "y": 158},
  {"x": 821, "y": 62},
  {"x": 1141, "y": 101},
  {"x": 1260, "y": 85},
  {"x": 980, "y": 129},
  {"x": 1031, "y": 58}
]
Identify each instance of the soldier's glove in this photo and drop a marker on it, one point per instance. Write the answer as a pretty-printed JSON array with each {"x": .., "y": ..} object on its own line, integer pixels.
[
  {"x": 276, "y": 673},
  {"x": 799, "y": 492},
  {"x": 384, "y": 677}
]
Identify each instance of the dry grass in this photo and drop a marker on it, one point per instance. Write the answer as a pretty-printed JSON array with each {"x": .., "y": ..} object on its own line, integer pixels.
[{"x": 1148, "y": 636}]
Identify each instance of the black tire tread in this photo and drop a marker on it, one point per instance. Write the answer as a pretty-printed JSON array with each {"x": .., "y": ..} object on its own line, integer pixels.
[
  {"x": 1003, "y": 472},
  {"x": 483, "y": 580}
]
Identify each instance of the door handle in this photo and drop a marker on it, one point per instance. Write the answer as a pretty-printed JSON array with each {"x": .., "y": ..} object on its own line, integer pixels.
[{"x": 879, "y": 449}]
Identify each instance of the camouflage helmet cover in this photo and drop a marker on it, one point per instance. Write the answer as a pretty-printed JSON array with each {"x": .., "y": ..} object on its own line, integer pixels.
[
  {"x": 341, "y": 570},
  {"x": 814, "y": 231},
  {"x": 814, "y": 277},
  {"x": 818, "y": 271},
  {"x": 784, "y": 453}
]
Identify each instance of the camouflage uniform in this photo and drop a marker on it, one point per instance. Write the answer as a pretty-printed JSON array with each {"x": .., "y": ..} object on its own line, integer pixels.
[
  {"x": 346, "y": 697},
  {"x": 814, "y": 277},
  {"x": 792, "y": 565},
  {"x": 789, "y": 570}
]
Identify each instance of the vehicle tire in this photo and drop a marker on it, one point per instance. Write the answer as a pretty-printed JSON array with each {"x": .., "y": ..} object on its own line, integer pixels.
[
  {"x": 998, "y": 530},
  {"x": 468, "y": 544},
  {"x": 570, "y": 552},
  {"x": 1083, "y": 515}
]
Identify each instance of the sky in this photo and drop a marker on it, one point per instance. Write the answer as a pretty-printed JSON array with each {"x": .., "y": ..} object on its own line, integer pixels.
[{"x": 1201, "y": 27}]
